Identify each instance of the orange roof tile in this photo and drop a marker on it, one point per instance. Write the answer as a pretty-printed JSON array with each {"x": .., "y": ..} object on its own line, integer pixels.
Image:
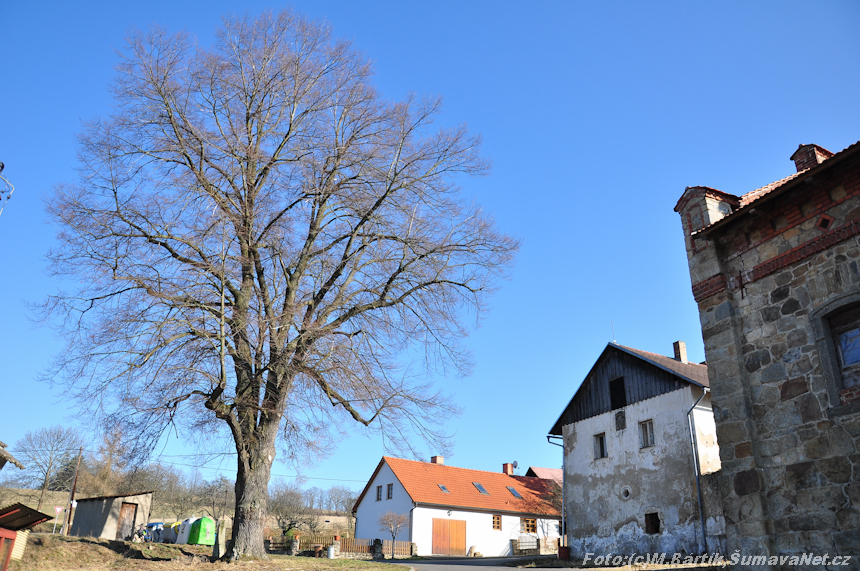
[{"x": 421, "y": 481}]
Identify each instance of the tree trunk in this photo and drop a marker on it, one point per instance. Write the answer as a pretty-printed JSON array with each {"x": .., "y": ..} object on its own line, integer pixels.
[{"x": 252, "y": 493}]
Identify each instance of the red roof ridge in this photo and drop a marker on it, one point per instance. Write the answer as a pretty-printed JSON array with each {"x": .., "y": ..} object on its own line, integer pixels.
[{"x": 500, "y": 473}]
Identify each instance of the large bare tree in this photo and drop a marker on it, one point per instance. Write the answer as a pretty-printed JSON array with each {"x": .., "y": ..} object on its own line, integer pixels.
[{"x": 259, "y": 239}]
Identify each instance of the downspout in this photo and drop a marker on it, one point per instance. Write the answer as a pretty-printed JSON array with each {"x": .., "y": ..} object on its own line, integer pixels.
[
  {"x": 695, "y": 447},
  {"x": 563, "y": 504}
]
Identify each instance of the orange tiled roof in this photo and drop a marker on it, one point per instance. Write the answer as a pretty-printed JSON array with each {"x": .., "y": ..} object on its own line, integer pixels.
[
  {"x": 421, "y": 481},
  {"x": 554, "y": 474}
]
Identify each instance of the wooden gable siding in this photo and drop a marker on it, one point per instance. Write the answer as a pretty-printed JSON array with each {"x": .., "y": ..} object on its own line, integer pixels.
[{"x": 641, "y": 381}]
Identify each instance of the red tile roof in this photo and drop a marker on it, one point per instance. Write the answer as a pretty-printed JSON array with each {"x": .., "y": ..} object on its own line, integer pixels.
[
  {"x": 694, "y": 372},
  {"x": 554, "y": 474},
  {"x": 748, "y": 200},
  {"x": 421, "y": 481}
]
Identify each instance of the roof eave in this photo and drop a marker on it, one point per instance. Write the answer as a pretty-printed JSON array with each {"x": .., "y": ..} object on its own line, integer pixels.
[
  {"x": 487, "y": 510},
  {"x": 779, "y": 191}
]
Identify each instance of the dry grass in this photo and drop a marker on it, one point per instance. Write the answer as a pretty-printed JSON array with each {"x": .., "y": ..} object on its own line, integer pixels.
[{"x": 55, "y": 553}]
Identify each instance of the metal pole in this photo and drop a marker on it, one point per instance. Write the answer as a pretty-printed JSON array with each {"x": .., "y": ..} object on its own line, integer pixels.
[
  {"x": 694, "y": 445},
  {"x": 563, "y": 505},
  {"x": 67, "y": 521}
]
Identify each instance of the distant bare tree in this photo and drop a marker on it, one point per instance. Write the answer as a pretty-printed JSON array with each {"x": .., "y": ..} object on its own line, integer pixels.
[
  {"x": 219, "y": 497},
  {"x": 45, "y": 452},
  {"x": 392, "y": 522},
  {"x": 259, "y": 240},
  {"x": 287, "y": 505}
]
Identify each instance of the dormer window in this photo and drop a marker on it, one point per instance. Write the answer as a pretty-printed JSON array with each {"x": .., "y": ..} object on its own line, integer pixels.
[
  {"x": 443, "y": 488},
  {"x": 481, "y": 488}
]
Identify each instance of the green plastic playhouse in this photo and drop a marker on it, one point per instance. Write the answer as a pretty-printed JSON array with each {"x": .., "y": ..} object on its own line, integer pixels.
[{"x": 202, "y": 532}]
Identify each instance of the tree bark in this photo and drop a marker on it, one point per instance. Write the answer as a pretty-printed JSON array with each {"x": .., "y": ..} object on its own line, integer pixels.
[{"x": 252, "y": 493}]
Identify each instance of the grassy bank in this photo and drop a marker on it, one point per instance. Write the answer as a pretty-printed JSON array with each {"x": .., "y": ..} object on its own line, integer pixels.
[{"x": 55, "y": 553}]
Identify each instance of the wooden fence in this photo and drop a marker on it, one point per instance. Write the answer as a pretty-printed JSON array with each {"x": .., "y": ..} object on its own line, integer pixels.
[
  {"x": 307, "y": 542},
  {"x": 347, "y": 545},
  {"x": 353, "y": 545},
  {"x": 401, "y": 548}
]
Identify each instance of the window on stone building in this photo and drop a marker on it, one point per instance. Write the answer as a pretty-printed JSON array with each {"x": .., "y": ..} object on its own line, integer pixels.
[
  {"x": 617, "y": 396},
  {"x": 497, "y": 522},
  {"x": 528, "y": 525},
  {"x": 836, "y": 326},
  {"x": 652, "y": 523},
  {"x": 378, "y": 493},
  {"x": 845, "y": 329},
  {"x": 600, "y": 446},
  {"x": 646, "y": 434},
  {"x": 390, "y": 491}
]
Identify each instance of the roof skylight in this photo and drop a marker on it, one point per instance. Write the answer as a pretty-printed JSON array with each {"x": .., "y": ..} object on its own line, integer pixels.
[
  {"x": 514, "y": 491},
  {"x": 443, "y": 488},
  {"x": 481, "y": 488}
]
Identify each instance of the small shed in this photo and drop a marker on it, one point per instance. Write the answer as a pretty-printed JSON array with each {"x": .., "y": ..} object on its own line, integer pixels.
[
  {"x": 15, "y": 522},
  {"x": 111, "y": 517}
]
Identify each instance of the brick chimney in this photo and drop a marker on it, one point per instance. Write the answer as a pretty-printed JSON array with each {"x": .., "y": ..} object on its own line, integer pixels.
[
  {"x": 508, "y": 469},
  {"x": 680, "y": 351},
  {"x": 437, "y": 459},
  {"x": 807, "y": 156}
]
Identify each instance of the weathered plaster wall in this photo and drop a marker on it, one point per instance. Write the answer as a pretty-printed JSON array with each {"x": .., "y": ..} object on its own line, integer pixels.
[
  {"x": 706, "y": 434},
  {"x": 789, "y": 438},
  {"x": 607, "y": 499}
]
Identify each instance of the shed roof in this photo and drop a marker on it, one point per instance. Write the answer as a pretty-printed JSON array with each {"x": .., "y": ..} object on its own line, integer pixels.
[
  {"x": 96, "y": 498},
  {"x": 422, "y": 479},
  {"x": 19, "y": 516},
  {"x": 6, "y": 456}
]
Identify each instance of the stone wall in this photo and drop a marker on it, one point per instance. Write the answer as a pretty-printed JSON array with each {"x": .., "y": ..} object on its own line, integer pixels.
[{"x": 766, "y": 284}]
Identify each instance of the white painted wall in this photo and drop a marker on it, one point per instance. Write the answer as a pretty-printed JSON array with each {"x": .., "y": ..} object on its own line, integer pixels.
[
  {"x": 479, "y": 530},
  {"x": 659, "y": 478},
  {"x": 706, "y": 434},
  {"x": 369, "y": 510}
]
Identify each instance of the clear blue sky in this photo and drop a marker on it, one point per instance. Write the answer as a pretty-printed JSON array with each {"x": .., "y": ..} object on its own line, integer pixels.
[{"x": 596, "y": 116}]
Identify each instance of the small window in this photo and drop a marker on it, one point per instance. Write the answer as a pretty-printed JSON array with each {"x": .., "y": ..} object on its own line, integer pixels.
[
  {"x": 652, "y": 523},
  {"x": 646, "y": 434},
  {"x": 443, "y": 488},
  {"x": 378, "y": 493},
  {"x": 617, "y": 396},
  {"x": 481, "y": 488},
  {"x": 600, "y": 446},
  {"x": 390, "y": 491},
  {"x": 514, "y": 492},
  {"x": 528, "y": 525},
  {"x": 497, "y": 522},
  {"x": 620, "y": 420}
]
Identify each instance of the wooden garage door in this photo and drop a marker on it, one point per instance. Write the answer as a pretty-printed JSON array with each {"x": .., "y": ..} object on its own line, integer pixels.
[{"x": 449, "y": 537}]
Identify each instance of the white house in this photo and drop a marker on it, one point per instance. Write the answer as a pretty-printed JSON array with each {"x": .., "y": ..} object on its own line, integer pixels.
[
  {"x": 641, "y": 457},
  {"x": 453, "y": 509}
]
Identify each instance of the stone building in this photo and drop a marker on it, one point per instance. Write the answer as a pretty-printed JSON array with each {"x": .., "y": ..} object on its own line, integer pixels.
[
  {"x": 633, "y": 469},
  {"x": 776, "y": 278}
]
